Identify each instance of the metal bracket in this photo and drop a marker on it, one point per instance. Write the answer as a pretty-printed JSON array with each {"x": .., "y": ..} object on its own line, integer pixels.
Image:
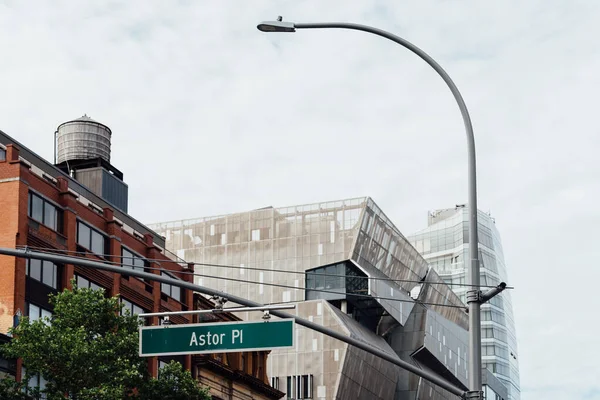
[
  {"x": 476, "y": 295},
  {"x": 219, "y": 302},
  {"x": 473, "y": 395},
  {"x": 492, "y": 292},
  {"x": 266, "y": 315}
]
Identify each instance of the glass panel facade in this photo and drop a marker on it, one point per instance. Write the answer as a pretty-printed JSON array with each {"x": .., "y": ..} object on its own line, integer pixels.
[
  {"x": 344, "y": 278},
  {"x": 444, "y": 243}
]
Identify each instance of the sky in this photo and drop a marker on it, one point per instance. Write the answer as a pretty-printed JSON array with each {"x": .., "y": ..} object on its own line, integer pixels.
[{"x": 210, "y": 116}]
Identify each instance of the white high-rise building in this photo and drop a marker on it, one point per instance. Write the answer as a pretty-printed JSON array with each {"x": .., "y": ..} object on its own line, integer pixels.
[{"x": 445, "y": 245}]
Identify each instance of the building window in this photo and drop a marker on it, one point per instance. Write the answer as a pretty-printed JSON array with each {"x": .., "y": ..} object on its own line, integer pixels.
[
  {"x": 306, "y": 386},
  {"x": 289, "y": 389},
  {"x": 36, "y": 381},
  {"x": 299, "y": 387},
  {"x": 2, "y": 154},
  {"x": 83, "y": 283},
  {"x": 161, "y": 365},
  {"x": 42, "y": 271},
  {"x": 36, "y": 312},
  {"x": 44, "y": 212},
  {"x": 170, "y": 290},
  {"x": 275, "y": 382},
  {"x": 133, "y": 308},
  {"x": 131, "y": 260},
  {"x": 255, "y": 235},
  {"x": 91, "y": 239}
]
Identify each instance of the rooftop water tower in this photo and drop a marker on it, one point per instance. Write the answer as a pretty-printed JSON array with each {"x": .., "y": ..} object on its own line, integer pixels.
[
  {"x": 82, "y": 150},
  {"x": 82, "y": 139}
]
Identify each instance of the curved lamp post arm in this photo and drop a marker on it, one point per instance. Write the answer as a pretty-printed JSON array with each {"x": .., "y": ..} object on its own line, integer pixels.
[{"x": 474, "y": 295}]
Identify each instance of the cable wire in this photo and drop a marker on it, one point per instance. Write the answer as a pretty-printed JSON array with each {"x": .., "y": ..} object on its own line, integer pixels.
[
  {"x": 50, "y": 251},
  {"x": 272, "y": 270}
]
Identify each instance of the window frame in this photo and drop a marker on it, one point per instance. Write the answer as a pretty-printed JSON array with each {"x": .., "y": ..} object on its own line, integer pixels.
[
  {"x": 43, "y": 266},
  {"x": 57, "y": 224},
  {"x": 134, "y": 257},
  {"x": 90, "y": 244},
  {"x": 170, "y": 287},
  {"x": 41, "y": 310},
  {"x": 90, "y": 284}
]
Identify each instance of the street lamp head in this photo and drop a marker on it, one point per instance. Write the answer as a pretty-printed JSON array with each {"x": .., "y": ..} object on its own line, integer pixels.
[{"x": 276, "y": 26}]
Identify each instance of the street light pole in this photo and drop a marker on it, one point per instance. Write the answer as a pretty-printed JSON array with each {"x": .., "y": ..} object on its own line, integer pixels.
[{"x": 474, "y": 298}]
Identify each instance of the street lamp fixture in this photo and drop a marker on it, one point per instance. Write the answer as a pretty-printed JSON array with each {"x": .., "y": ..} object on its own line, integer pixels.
[
  {"x": 276, "y": 26},
  {"x": 474, "y": 295}
]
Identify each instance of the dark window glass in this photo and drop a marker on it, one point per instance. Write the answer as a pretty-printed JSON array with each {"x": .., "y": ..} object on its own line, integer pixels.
[
  {"x": 97, "y": 243},
  {"x": 49, "y": 274},
  {"x": 132, "y": 260},
  {"x": 50, "y": 216},
  {"x": 91, "y": 239},
  {"x": 84, "y": 283},
  {"x": 2, "y": 155},
  {"x": 288, "y": 388},
  {"x": 176, "y": 292},
  {"x": 43, "y": 271},
  {"x": 34, "y": 269},
  {"x": 37, "y": 208},
  {"x": 83, "y": 235},
  {"x": 44, "y": 212},
  {"x": 170, "y": 290},
  {"x": 132, "y": 309}
]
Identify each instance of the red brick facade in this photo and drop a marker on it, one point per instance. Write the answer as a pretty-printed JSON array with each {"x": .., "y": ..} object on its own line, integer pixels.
[{"x": 18, "y": 178}]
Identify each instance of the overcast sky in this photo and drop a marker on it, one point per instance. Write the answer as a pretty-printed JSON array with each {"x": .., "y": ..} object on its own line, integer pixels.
[{"x": 210, "y": 116}]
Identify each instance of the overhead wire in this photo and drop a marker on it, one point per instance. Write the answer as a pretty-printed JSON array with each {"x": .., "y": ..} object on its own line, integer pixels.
[
  {"x": 276, "y": 271},
  {"x": 50, "y": 251}
]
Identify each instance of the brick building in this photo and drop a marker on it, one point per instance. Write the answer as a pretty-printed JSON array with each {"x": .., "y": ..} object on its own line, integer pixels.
[{"x": 78, "y": 206}]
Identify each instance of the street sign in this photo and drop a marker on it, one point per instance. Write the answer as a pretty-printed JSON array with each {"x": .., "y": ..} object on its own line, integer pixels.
[{"x": 221, "y": 337}]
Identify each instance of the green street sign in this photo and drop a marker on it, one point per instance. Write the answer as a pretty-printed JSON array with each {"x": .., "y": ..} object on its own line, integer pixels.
[{"x": 221, "y": 337}]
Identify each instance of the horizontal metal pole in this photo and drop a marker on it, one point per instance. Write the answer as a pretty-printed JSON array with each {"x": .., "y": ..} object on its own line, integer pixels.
[
  {"x": 435, "y": 379},
  {"x": 219, "y": 310}
]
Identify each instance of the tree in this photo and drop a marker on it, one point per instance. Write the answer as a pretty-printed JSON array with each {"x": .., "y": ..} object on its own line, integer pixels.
[
  {"x": 174, "y": 383},
  {"x": 90, "y": 351}
]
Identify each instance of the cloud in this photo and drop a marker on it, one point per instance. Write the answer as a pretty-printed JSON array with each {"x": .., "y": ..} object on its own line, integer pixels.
[{"x": 210, "y": 116}]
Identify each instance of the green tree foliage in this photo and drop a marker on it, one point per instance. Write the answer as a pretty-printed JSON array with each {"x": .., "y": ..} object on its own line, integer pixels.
[
  {"x": 174, "y": 383},
  {"x": 89, "y": 351}
]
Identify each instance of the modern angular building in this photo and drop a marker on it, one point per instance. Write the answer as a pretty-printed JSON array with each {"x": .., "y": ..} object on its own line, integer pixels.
[
  {"x": 445, "y": 245},
  {"x": 346, "y": 266}
]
